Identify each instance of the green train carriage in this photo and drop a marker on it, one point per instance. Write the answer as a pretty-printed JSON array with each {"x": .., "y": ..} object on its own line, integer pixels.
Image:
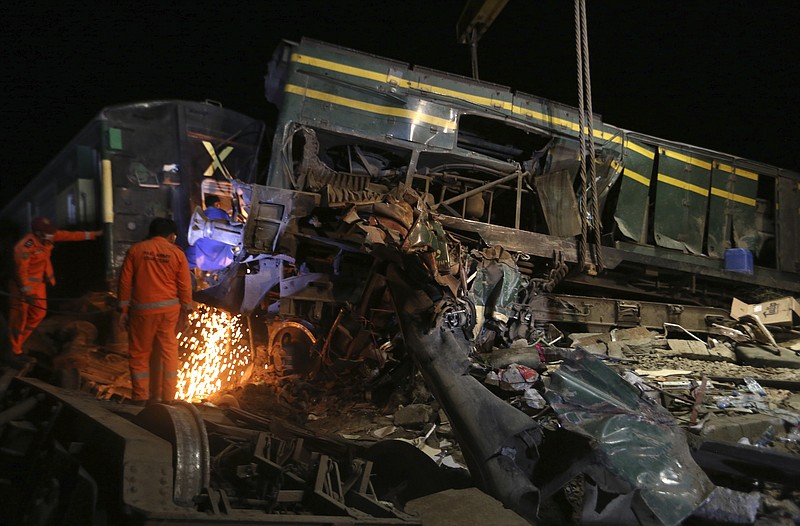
[{"x": 502, "y": 167}]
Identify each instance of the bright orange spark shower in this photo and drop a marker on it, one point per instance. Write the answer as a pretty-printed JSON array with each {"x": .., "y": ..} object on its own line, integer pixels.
[{"x": 214, "y": 354}]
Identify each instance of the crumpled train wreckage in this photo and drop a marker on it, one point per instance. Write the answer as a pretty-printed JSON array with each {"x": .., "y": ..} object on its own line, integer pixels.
[
  {"x": 450, "y": 301},
  {"x": 365, "y": 286},
  {"x": 355, "y": 286},
  {"x": 358, "y": 252}
]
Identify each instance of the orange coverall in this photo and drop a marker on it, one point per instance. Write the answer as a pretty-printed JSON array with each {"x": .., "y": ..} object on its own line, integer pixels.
[
  {"x": 154, "y": 284},
  {"x": 28, "y": 304}
]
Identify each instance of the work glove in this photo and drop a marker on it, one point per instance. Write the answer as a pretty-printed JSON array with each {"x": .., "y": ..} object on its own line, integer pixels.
[
  {"x": 183, "y": 319},
  {"x": 124, "y": 321}
]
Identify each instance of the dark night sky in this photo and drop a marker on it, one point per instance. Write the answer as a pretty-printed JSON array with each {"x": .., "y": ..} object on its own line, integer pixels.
[{"x": 722, "y": 74}]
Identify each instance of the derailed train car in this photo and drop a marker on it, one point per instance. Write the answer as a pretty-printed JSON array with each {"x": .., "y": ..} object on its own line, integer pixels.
[
  {"x": 660, "y": 220},
  {"x": 502, "y": 167},
  {"x": 370, "y": 153},
  {"x": 131, "y": 163}
]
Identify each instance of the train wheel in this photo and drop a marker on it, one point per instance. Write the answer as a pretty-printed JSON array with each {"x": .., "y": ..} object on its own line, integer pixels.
[{"x": 181, "y": 424}]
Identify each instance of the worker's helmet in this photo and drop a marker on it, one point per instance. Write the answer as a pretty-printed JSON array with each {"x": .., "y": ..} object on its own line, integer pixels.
[{"x": 44, "y": 225}]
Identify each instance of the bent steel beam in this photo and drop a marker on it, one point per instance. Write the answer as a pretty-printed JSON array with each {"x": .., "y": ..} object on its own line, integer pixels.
[{"x": 499, "y": 442}]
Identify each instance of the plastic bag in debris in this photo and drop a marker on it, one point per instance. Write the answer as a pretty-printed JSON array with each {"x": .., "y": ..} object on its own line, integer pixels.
[
  {"x": 517, "y": 377},
  {"x": 533, "y": 399},
  {"x": 754, "y": 387},
  {"x": 741, "y": 401}
]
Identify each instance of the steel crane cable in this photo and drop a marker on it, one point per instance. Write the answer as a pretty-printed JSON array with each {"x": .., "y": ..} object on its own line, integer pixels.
[
  {"x": 581, "y": 138},
  {"x": 589, "y": 196},
  {"x": 595, "y": 202}
]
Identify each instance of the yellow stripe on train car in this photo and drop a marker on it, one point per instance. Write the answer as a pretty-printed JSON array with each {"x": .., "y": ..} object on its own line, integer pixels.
[
  {"x": 636, "y": 177},
  {"x": 448, "y": 125},
  {"x": 682, "y": 184},
  {"x": 438, "y": 90},
  {"x": 733, "y": 197},
  {"x": 686, "y": 159},
  {"x": 737, "y": 171}
]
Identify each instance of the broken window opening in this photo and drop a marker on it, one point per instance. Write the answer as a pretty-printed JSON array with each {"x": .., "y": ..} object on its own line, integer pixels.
[
  {"x": 344, "y": 170},
  {"x": 454, "y": 183},
  {"x": 498, "y": 139},
  {"x": 351, "y": 155}
]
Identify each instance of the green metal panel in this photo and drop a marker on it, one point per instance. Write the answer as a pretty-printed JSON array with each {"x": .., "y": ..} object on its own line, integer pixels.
[
  {"x": 681, "y": 200},
  {"x": 365, "y": 96},
  {"x": 632, "y": 206},
  {"x": 788, "y": 223},
  {"x": 608, "y": 170},
  {"x": 114, "y": 139},
  {"x": 563, "y": 154},
  {"x": 732, "y": 209},
  {"x": 558, "y": 202},
  {"x": 392, "y": 87},
  {"x": 88, "y": 163}
]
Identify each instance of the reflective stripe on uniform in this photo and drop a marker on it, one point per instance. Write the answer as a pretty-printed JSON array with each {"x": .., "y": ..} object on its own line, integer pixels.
[{"x": 155, "y": 305}]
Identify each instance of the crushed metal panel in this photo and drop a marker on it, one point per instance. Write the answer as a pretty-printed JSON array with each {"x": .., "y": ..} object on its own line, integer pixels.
[
  {"x": 639, "y": 447},
  {"x": 558, "y": 202},
  {"x": 563, "y": 155},
  {"x": 495, "y": 286},
  {"x": 271, "y": 213},
  {"x": 632, "y": 209},
  {"x": 787, "y": 194},
  {"x": 258, "y": 284},
  {"x": 608, "y": 169},
  {"x": 732, "y": 209},
  {"x": 681, "y": 200}
]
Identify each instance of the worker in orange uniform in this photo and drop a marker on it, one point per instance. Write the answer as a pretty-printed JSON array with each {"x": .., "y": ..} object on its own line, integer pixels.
[
  {"x": 155, "y": 292},
  {"x": 33, "y": 270}
]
